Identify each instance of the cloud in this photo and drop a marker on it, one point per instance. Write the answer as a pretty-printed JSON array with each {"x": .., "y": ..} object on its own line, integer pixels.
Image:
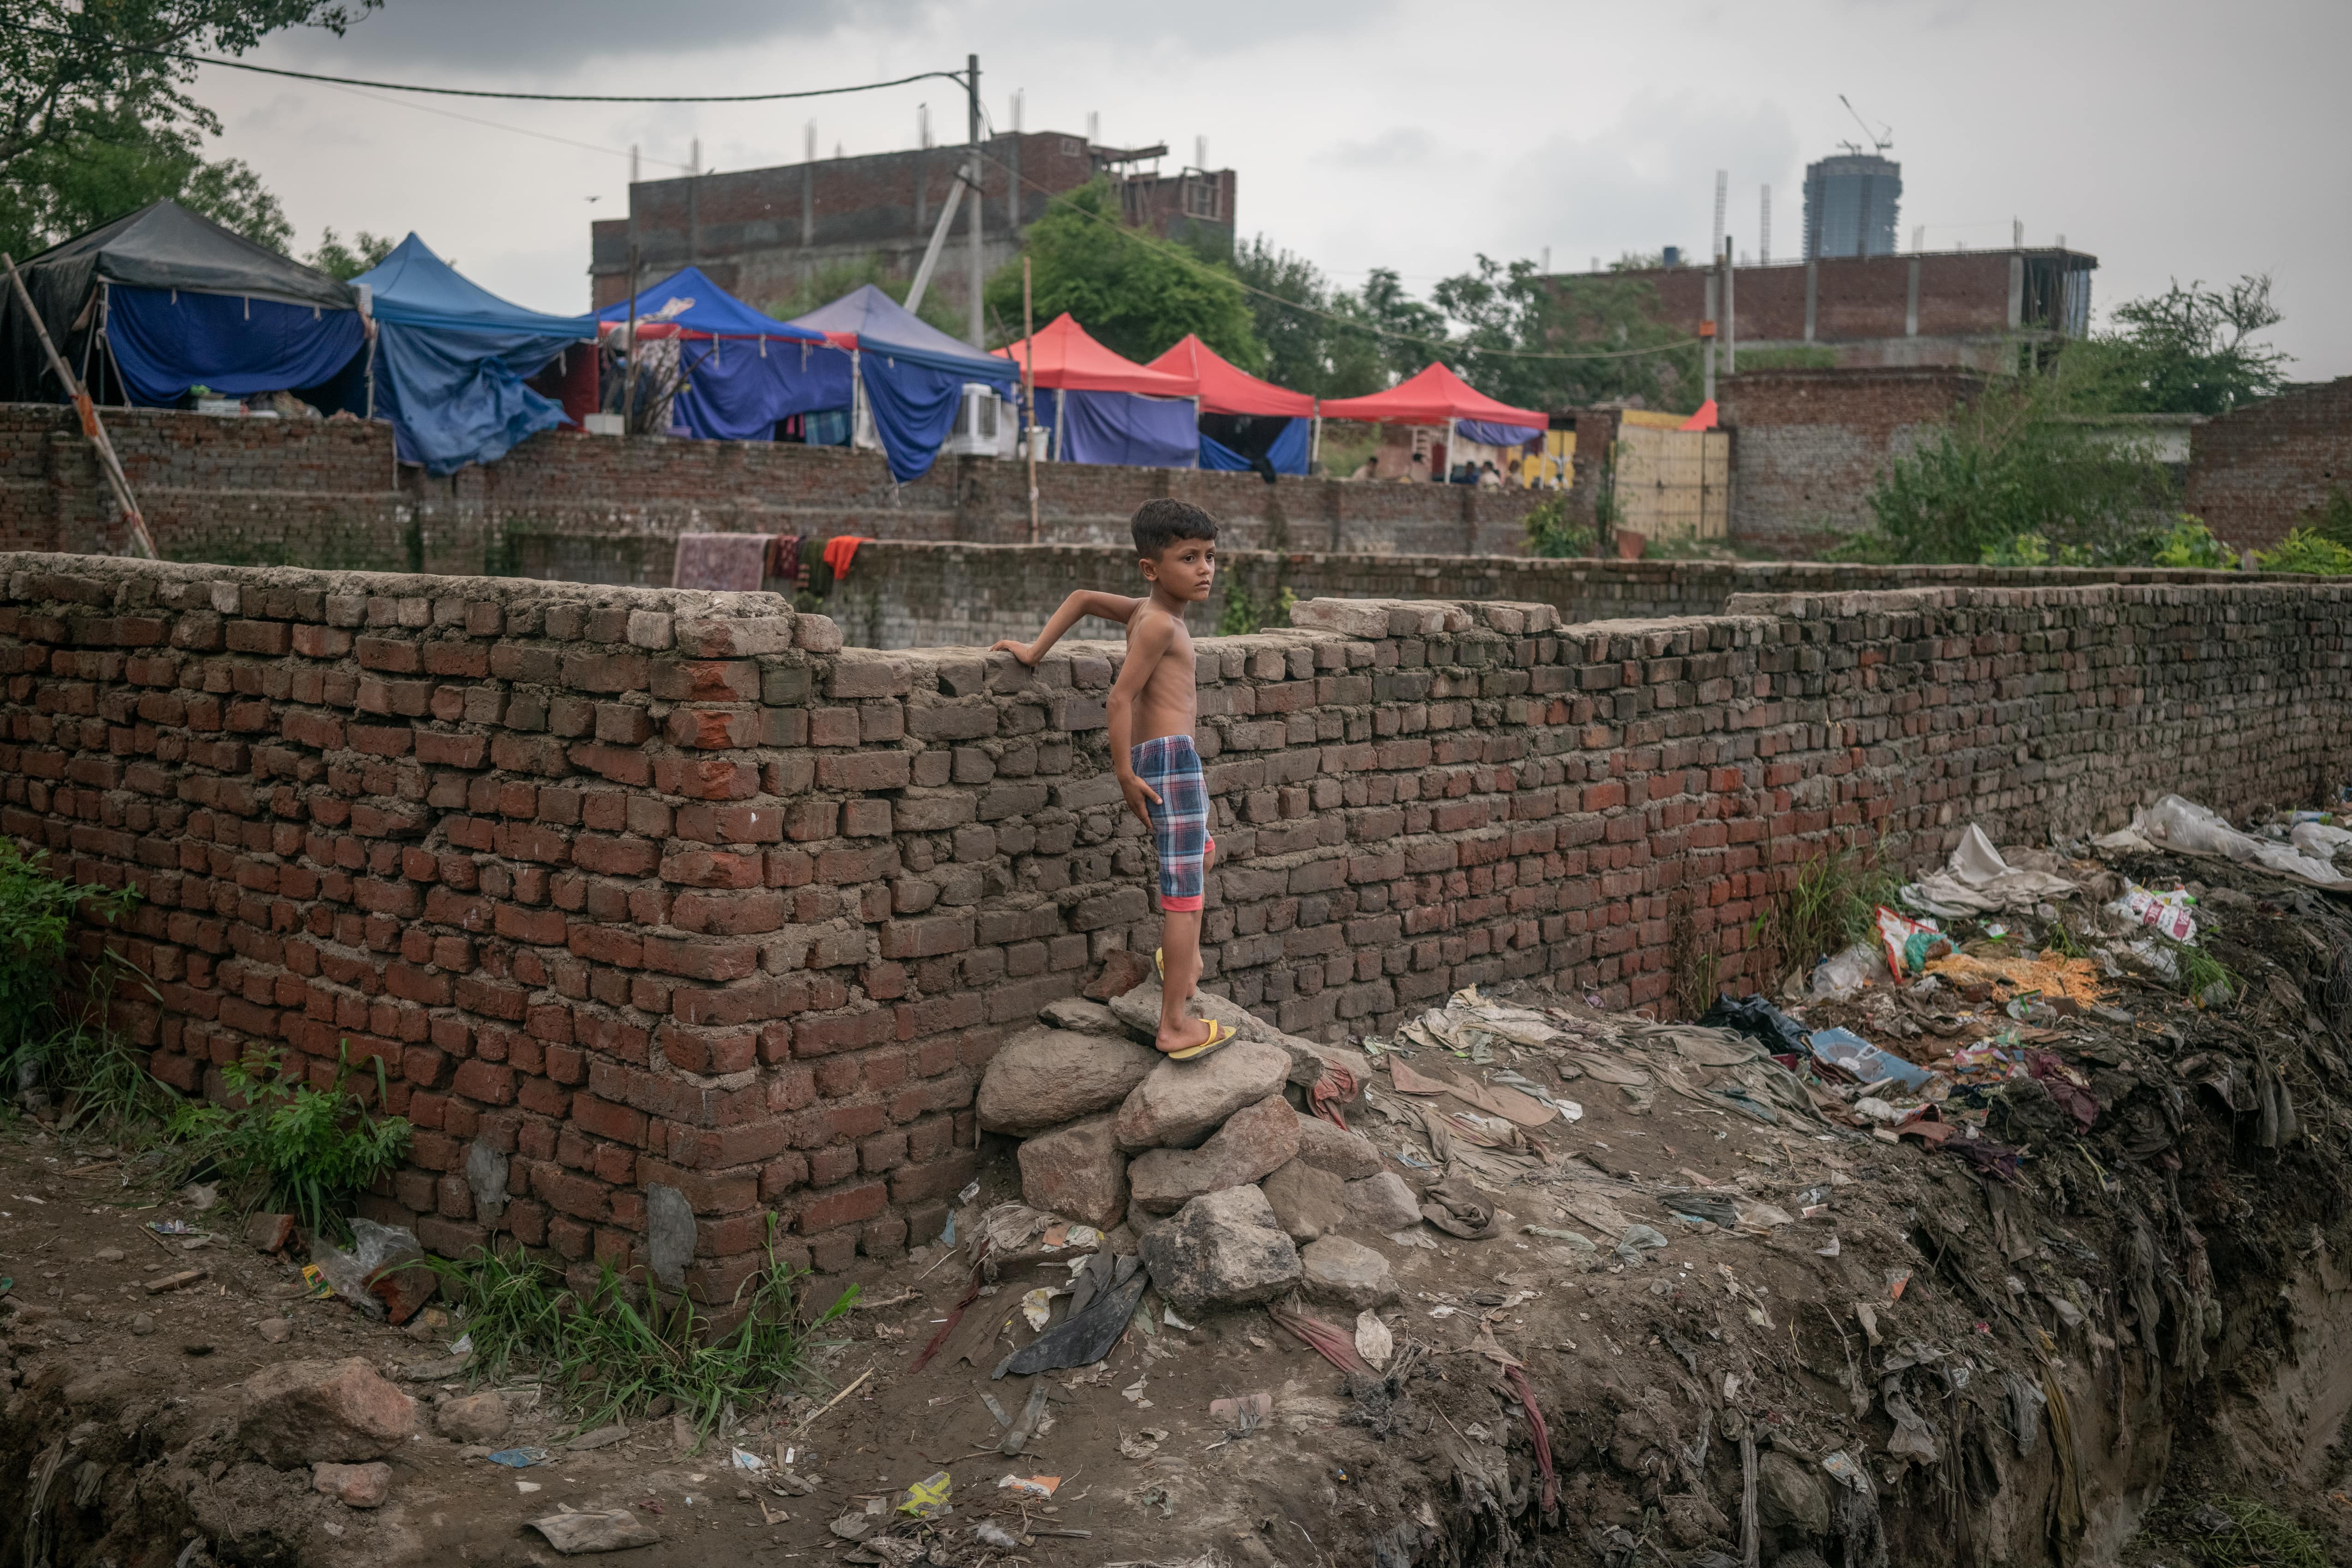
[
  {"x": 1401, "y": 145},
  {"x": 463, "y": 39}
]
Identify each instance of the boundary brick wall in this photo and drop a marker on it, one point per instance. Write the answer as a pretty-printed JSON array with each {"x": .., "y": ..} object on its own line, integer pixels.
[
  {"x": 661, "y": 901},
  {"x": 908, "y": 594},
  {"x": 1808, "y": 446},
  {"x": 2267, "y": 469},
  {"x": 608, "y": 510}
]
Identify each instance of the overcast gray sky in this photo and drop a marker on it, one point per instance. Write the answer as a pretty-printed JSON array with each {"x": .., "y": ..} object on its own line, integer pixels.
[{"x": 2170, "y": 139}]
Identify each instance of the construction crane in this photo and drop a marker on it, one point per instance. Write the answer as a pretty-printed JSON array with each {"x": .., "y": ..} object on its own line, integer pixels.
[{"x": 1880, "y": 140}]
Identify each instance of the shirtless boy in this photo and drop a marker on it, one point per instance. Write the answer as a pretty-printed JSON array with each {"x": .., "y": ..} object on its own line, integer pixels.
[{"x": 1152, "y": 709}]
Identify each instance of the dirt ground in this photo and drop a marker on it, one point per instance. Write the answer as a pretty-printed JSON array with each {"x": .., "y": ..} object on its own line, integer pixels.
[{"x": 2151, "y": 1310}]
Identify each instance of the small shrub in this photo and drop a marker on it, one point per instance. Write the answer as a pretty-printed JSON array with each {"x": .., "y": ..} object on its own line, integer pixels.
[
  {"x": 2032, "y": 550},
  {"x": 2238, "y": 1532},
  {"x": 606, "y": 1357},
  {"x": 50, "y": 1040},
  {"x": 1830, "y": 904},
  {"x": 1552, "y": 534},
  {"x": 304, "y": 1151},
  {"x": 2191, "y": 545},
  {"x": 2308, "y": 550}
]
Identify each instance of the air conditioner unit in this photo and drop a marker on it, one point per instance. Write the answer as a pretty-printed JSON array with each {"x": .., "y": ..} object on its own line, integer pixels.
[{"x": 980, "y": 417}]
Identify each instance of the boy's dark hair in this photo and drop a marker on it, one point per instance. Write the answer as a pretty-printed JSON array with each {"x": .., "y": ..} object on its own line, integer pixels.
[{"x": 1161, "y": 523}]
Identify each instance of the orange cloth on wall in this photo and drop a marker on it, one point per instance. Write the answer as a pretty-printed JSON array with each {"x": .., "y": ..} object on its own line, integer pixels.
[{"x": 840, "y": 550}]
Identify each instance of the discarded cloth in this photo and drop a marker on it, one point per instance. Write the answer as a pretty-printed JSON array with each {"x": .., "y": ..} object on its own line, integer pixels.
[
  {"x": 1084, "y": 1338},
  {"x": 1977, "y": 881},
  {"x": 1457, "y": 1208},
  {"x": 840, "y": 550},
  {"x": 726, "y": 563},
  {"x": 2173, "y": 823},
  {"x": 784, "y": 557}
]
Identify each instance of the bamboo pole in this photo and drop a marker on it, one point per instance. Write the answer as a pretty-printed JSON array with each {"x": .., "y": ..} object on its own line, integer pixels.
[
  {"x": 1029, "y": 390},
  {"x": 141, "y": 542}
]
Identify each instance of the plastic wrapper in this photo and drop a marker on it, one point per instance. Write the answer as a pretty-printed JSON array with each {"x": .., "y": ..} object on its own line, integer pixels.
[
  {"x": 1845, "y": 972},
  {"x": 1758, "y": 1020},
  {"x": 1865, "y": 1063},
  {"x": 1909, "y": 943},
  {"x": 374, "y": 1248},
  {"x": 2167, "y": 912}
]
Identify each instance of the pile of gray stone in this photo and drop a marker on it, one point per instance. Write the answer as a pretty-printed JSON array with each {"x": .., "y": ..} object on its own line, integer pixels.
[{"x": 1236, "y": 1194}]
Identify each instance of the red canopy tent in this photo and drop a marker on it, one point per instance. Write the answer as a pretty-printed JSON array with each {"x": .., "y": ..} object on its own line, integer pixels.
[
  {"x": 1106, "y": 408},
  {"x": 1435, "y": 396},
  {"x": 1069, "y": 359},
  {"x": 1225, "y": 389}
]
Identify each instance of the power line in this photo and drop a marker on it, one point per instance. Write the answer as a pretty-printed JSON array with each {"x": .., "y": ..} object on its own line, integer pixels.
[{"x": 485, "y": 92}]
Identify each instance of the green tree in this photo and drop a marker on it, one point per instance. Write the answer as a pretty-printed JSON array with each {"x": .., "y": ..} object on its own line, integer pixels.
[
  {"x": 1513, "y": 316},
  {"x": 1295, "y": 323},
  {"x": 348, "y": 261},
  {"x": 2007, "y": 467},
  {"x": 1136, "y": 295},
  {"x": 1385, "y": 335},
  {"x": 97, "y": 120},
  {"x": 2186, "y": 351}
]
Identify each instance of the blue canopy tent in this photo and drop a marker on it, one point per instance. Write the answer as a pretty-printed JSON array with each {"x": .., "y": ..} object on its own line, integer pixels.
[
  {"x": 913, "y": 372},
  {"x": 450, "y": 361},
  {"x": 164, "y": 300},
  {"x": 742, "y": 369}
]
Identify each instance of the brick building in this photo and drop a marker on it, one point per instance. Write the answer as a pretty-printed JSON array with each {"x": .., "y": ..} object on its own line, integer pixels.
[
  {"x": 1966, "y": 308},
  {"x": 2256, "y": 473},
  {"x": 763, "y": 233},
  {"x": 1808, "y": 446}
]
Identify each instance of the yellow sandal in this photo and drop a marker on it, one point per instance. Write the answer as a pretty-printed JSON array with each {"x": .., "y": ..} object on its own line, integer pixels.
[{"x": 1219, "y": 1035}]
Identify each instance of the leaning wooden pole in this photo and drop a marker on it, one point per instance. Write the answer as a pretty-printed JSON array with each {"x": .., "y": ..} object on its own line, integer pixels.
[{"x": 141, "y": 542}]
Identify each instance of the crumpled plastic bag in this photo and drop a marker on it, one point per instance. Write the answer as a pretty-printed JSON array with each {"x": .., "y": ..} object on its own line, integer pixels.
[
  {"x": 1846, "y": 972},
  {"x": 373, "y": 1248}
]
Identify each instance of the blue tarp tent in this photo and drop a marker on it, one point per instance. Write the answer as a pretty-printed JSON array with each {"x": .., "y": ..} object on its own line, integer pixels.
[
  {"x": 912, "y": 372},
  {"x": 743, "y": 370},
  {"x": 176, "y": 301},
  {"x": 450, "y": 361}
]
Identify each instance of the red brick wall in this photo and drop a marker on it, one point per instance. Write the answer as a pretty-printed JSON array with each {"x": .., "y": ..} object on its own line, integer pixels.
[
  {"x": 2256, "y": 473},
  {"x": 630, "y": 889},
  {"x": 1961, "y": 294},
  {"x": 1808, "y": 446}
]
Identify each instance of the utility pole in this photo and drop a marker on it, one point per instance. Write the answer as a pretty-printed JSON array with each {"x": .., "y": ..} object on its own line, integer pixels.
[
  {"x": 1707, "y": 333},
  {"x": 1029, "y": 390},
  {"x": 109, "y": 466},
  {"x": 971, "y": 84},
  {"x": 1730, "y": 316}
]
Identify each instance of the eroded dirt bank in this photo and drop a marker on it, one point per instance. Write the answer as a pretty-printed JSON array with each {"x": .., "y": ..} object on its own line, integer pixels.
[{"x": 2151, "y": 1312}]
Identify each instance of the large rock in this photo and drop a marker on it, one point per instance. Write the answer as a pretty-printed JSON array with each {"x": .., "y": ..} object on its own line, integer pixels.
[
  {"x": 1381, "y": 1203},
  {"x": 1139, "y": 1010},
  {"x": 1338, "y": 1270},
  {"x": 472, "y": 1417},
  {"x": 1255, "y": 1142},
  {"x": 1080, "y": 1016},
  {"x": 1345, "y": 1155},
  {"x": 354, "y": 1486},
  {"x": 1076, "y": 1171},
  {"x": 1307, "y": 1200},
  {"x": 335, "y": 1412},
  {"x": 1221, "y": 1250},
  {"x": 1042, "y": 1078},
  {"x": 1179, "y": 1104}
]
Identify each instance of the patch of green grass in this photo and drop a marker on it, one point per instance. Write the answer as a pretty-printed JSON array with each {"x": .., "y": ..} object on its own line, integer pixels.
[
  {"x": 1828, "y": 904},
  {"x": 53, "y": 1037},
  {"x": 2201, "y": 971},
  {"x": 306, "y": 1151},
  {"x": 2257, "y": 1536},
  {"x": 606, "y": 1357}
]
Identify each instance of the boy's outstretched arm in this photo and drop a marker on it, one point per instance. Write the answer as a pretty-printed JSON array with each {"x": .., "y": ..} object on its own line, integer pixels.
[{"x": 1081, "y": 603}]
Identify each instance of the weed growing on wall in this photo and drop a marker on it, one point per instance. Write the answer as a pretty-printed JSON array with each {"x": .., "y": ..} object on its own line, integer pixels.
[
  {"x": 1555, "y": 535},
  {"x": 54, "y": 1050},
  {"x": 607, "y": 1357},
  {"x": 2306, "y": 550},
  {"x": 2191, "y": 545},
  {"x": 1829, "y": 904},
  {"x": 307, "y": 1151}
]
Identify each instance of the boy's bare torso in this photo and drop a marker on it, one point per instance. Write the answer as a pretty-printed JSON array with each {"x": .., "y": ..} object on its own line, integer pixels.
[{"x": 1170, "y": 702}]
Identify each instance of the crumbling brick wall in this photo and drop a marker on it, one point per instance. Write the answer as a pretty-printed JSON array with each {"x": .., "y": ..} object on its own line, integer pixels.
[
  {"x": 2272, "y": 465},
  {"x": 648, "y": 898}
]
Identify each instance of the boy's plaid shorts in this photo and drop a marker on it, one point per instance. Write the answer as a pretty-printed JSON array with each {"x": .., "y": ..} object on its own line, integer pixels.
[{"x": 1179, "y": 822}]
